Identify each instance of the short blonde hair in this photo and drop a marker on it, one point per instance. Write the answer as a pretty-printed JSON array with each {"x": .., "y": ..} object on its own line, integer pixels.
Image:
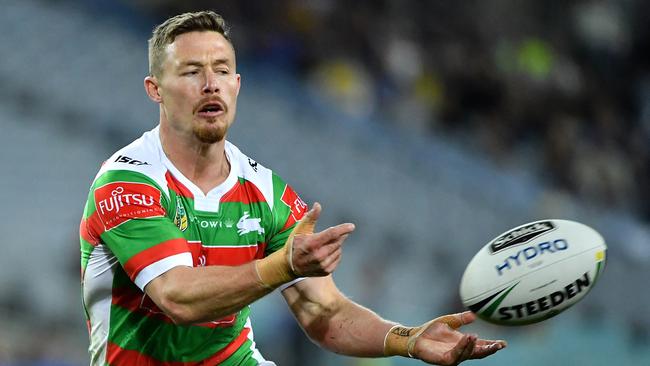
[{"x": 167, "y": 32}]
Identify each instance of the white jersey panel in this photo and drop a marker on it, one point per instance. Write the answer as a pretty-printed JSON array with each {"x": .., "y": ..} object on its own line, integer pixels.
[
  {"x": 141, "y": 156},
  {"x": 97, "y": 287},
  {"x": 253, "y": 172}
]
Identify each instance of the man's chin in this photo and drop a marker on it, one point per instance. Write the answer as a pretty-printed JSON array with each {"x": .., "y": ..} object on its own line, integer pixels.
[{"x": 210, "y": 134}]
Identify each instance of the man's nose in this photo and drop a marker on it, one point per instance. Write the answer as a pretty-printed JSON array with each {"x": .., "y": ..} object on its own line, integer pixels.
[{"x": 211, "y": 84}]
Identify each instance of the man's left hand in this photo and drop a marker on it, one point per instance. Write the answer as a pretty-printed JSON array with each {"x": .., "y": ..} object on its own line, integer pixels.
[{"x": 439, "y": 341}]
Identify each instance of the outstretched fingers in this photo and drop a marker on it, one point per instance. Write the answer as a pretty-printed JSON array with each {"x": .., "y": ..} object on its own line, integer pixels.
[
  {"x": 485, "y": 347},
  {"x": 332, "y": 261},
  {"x": 317, "y": 254},
  {"x": 480, "y": 347},
  {"x": 335, "y": 234},
  {"x": 328, "y": 248},
  {"x": 470, "y": 347},
  {"x": 465, "y": 348},
  {"x": 442, "y": 343}
]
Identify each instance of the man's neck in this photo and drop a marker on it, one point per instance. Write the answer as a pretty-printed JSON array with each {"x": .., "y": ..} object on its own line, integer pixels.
[{"x": 205, "y": 165}]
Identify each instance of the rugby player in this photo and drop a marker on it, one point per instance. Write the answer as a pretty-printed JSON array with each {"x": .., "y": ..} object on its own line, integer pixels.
[{"x": 182, "y": 231}]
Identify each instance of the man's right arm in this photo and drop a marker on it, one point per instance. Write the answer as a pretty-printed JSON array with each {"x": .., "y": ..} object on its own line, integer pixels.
[{"x": 198, "y": 294}]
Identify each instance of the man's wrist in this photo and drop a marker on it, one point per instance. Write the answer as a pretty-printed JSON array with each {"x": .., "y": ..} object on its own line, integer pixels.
[
  {"x": 396, "y": 341},
  {"x": 274, "y": 270},
  {"x": 277, "y": 268}
]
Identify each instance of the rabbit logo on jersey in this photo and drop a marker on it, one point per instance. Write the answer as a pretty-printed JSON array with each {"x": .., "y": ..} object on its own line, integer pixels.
[
  {"x": 246, "y": 225},
  {"x": 119, "y": 202}
]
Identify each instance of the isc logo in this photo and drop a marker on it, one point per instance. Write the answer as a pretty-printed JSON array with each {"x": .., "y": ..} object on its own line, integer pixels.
[
  {"x": 128, "y": 160},
  {"x": 526, "y": 254}
]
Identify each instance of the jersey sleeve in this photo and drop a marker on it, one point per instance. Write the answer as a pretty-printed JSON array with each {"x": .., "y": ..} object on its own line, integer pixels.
[
  {"x": 288, "y": 209},
  {"x": 127, "y": 212}
]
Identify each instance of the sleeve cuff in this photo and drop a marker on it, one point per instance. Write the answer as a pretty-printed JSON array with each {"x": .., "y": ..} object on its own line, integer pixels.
[
  {"x": 155, "y": 269},
  {"x": 289, "y": 284}
]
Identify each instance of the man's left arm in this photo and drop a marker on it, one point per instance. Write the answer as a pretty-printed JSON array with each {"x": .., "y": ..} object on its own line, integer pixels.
[
  {"x": 335, "y": 322},
  {"x": 340, "y": 325}
]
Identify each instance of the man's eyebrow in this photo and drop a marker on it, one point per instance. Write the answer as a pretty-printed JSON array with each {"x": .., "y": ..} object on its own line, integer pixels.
[
  {"x": 191, "y": 63},
  {"x": 220, "y": 61}
]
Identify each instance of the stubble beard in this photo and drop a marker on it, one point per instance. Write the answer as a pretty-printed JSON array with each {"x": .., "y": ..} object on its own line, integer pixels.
[{"x": 211, "y": 132}]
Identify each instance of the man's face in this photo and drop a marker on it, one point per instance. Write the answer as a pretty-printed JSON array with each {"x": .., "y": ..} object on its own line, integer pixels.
[{"x": 199, "y": 85}]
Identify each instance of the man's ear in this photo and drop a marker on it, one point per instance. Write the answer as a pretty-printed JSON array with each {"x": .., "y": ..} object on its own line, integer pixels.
[{"x": 152, "y": 88}]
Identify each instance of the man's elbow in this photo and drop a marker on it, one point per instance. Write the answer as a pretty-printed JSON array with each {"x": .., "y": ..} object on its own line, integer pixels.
[
  {"x": 171, "y": 297},
  {"x": 178, "y": 312},
  {"x": 321, "y": 328}
]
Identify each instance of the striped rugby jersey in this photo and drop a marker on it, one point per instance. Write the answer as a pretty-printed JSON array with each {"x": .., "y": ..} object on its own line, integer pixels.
[{"x": 142, "y": 218}]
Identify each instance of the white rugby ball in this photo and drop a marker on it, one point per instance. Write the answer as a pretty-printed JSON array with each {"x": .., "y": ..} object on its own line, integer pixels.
[{"x": 533, "y": 272}]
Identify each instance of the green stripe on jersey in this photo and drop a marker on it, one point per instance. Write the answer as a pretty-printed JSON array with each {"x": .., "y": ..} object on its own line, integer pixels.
[
  {"x": 136, "y": 235},
  {"x": 86, "y": 249},
  {"x": 165, "y": 341},
  {"x": 243, "y": 356},
  {"x": 281, "y": 211}
]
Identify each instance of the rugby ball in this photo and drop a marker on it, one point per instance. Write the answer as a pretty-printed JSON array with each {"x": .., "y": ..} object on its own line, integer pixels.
[{"x": 533, "y": 272}]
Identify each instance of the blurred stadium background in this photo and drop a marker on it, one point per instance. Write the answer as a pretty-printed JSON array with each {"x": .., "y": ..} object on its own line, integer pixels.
[{"x": 433, "y": 125}]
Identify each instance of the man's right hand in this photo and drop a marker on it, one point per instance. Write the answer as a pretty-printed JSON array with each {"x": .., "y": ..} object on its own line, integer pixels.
[
  {"x": 316, "y": 254},
  {"x": 305, "y": 254}
]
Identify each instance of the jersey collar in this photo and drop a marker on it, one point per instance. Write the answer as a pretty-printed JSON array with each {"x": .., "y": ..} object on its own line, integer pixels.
[{"x": 202, "y": 202}]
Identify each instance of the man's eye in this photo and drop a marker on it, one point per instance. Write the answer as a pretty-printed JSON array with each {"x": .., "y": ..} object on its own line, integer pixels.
[{"x": 193, "y": 72}]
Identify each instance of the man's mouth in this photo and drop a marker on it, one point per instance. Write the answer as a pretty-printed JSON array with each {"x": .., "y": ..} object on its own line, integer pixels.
[{"x": 211, "y": 109}]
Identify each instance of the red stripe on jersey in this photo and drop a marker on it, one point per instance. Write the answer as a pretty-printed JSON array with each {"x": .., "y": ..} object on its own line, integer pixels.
[
  {"x": 261, "y": 248},
  {"x": 151, "y": 255},
  {"x": 297, "y": 206},
  {"x": 90, "y": 228},
  {"x": 196, "y": 249},
  {"x": 245, "y": 193},
  {"x": 230, "y": 256},
  {"x": 117, "y": 356},
  {"x": 177, "y": 186},
  {"x": 224, "y": 256},
  {"x": 135, "y": 301}
]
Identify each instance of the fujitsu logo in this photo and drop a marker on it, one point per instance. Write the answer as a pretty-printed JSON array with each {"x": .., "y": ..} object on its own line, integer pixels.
[
  {"x": 120, "y": 199},
  {"x": 296, "y": 204},
  {"x": 119, "y": 202}
]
